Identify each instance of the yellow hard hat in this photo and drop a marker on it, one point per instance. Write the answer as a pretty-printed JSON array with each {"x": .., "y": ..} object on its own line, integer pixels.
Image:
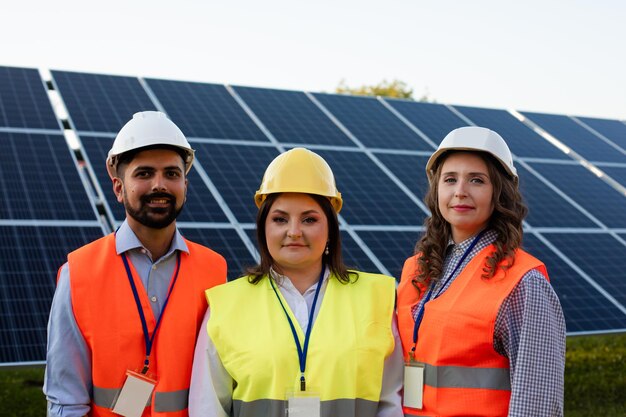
[{"x": 299, "y": 170}]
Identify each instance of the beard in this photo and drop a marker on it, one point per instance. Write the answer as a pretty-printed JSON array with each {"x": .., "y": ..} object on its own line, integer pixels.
[{"x": 155, "y": 218}]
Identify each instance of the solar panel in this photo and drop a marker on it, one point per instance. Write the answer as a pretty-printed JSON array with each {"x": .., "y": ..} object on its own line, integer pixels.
[
  {"x": 373, "y": 124},
  {"x": 353, "y": 255},
  {"x": 24, "y": 102},
  {"x": 524, "y": 142},
  {"x": 370, "y": 196},
  {"x": 547, "y": 208},
  {"x": 585, "y": 308},
  {"x": 95, "y": 151},
  {"x": 392, "y": 248},
  {"x": 583, "y": 142},
  {"x": 236, "y": 171},
  {"x": 101, "y": 103},
  {"x": 205, "y": 110},
  {"x": 434, "y": 120},
  {"x": 614, "y": 130},
  {"x": 30, "y": 258},
  {"x": 409, "y": 169},
  {"x": 377, "y": 149},
  {"x": 40, "y": 180},
  {"x": 591, "y": 193},
  {"x": 600, "y": 255},
  {"x": 292, "y": 117},
  {"x": 618, "y": 173},
  {"x": 227, "y": 243}
]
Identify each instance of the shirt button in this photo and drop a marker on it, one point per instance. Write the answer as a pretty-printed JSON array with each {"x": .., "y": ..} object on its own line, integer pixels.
[
  {"x": 153, "y": 299},
  {"x": 154, "y": 267}
]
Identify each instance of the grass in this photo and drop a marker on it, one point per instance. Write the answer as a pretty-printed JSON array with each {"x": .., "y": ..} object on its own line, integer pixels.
[
  {"x": 595, "y": 376},
  {"x": 20, "y": 392},
  {"x": 595, "y": 381}
]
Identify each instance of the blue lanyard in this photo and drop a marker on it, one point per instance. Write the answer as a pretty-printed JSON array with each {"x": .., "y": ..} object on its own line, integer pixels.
[
  {"x": 144, "y": 325},
  {"x": 302, "y": 352},
  {"x": 420, "y": 313}
]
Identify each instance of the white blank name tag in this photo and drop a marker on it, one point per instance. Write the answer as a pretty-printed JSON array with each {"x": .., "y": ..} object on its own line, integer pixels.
[
  {"x": 413, "y": 385},
  {"x": 303, "y": 404},
  {"x": 134, "y": 395},
  {"x": 303, "y": 407}
]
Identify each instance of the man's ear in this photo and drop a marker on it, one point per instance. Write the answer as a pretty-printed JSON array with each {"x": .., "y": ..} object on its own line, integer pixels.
[{"x": 118, "y": 189}]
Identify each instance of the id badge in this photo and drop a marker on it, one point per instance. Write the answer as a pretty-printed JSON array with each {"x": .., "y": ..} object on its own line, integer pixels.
[
  {"x": 303, "y": 403},
  {"x": 413, "y": 385},
  {"x": 134, "y": 395}
]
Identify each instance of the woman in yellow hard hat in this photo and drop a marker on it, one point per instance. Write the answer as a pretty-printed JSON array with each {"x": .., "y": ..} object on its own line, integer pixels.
[
  {"x": 300, "y": 335},
  {"x": 482, "y": 330}
]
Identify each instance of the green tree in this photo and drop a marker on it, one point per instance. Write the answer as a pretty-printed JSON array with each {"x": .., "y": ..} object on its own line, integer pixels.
[{"x": 394, "y": 89}]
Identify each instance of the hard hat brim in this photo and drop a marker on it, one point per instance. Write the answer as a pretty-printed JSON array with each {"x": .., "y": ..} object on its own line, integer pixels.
[
  {"x": 433, "y": 161},
  {"x": 474, "y": 139}
]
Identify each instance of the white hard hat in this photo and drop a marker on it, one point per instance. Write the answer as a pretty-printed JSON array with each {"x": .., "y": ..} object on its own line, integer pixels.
[
  {"x": 148, "y": 128},
  {"x": 474, "y": 138}
]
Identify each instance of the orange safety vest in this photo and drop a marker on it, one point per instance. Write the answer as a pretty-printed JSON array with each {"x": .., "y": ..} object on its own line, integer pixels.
[
  {"x": 464, "y": 375},
  {"x": 106, "y": 314}
]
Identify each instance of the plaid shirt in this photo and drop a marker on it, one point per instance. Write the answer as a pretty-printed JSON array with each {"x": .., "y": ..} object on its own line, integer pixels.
[{"x": 529, "y": 330}]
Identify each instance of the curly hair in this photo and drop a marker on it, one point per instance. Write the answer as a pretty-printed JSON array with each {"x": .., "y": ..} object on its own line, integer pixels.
[
  {"x": 506, "y": 220},
  {"x": 334, "y": 259}
]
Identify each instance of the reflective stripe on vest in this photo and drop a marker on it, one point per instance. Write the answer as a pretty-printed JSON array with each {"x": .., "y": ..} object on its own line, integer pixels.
[
  {"x": 262, "y": 359},
  {"x": 163, "y": 401},
  {"x": 104, "y": 397},
  {"x": 331, "y": 408},
  {"x": 467, "y": 377}
]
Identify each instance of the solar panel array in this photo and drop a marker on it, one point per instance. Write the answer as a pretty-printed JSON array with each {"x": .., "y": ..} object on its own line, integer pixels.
[
  {"x": 56, "y": 199},
  {"x": 45, "y": 212}
]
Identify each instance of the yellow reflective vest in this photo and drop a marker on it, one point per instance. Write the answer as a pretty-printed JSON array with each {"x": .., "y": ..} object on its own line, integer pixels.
[{"x": 350, "y": 339}]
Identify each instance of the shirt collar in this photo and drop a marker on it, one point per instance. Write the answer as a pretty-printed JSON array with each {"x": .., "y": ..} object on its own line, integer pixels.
[
  {"x": 487, "y": 239},
  {"x": 285, "y": 282},
  {"x": 126, "y": 240}
]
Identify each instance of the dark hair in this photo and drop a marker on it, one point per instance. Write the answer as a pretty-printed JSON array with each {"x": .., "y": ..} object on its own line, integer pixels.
[
  {"x": 506, "y": 220},
  {"x": 125, "y": 158},
  {"x": 334, "y": 259}
]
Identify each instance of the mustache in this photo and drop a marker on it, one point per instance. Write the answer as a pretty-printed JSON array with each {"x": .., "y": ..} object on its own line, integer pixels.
[{"x": 146, "y": 198}]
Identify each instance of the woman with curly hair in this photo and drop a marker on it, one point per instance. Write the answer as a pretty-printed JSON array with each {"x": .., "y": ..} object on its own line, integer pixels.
[{"x": 482, "y": 329}]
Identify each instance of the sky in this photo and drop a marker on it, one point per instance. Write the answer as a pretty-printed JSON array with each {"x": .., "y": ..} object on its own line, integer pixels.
[{"x": 552, "y": 56}]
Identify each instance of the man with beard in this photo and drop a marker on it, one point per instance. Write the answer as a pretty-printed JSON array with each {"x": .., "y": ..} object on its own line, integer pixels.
[{"x": 128, "y": 307}]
